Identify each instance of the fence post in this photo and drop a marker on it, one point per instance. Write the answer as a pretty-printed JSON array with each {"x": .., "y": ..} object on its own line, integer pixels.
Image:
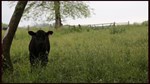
[
  {"x": 128, "y": 23},
  {"x": 114, "y": 24},
  {"x": 79, "y": 26}
]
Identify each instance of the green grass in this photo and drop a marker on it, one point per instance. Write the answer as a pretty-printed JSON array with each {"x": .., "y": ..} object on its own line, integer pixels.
[{"x": 113, "y": 55}]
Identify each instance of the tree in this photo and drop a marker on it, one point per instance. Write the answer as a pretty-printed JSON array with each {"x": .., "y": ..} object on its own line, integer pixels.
[
  {"x": 57, "y": 14},
  {"x": 8, "y": 38},
  {"x": 56, "y": 11}
]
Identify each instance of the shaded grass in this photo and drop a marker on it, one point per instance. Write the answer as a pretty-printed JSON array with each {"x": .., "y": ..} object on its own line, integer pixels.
[{"x": 86, "y": 56}]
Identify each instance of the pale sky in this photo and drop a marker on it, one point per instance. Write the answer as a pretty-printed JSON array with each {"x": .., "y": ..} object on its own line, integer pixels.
[{"x": 105, "y": 12}]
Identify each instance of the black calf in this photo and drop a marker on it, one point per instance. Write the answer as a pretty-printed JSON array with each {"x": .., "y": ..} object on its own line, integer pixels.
[{"x": 39, "y": 48}]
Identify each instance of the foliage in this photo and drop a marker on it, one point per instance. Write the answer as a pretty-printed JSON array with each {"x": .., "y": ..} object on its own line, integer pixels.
[
  {"x": 145, "y": 23},
  {"x": 44, "y": 10},
  {"x": 75, "y": 9},
  {"x": 93, "y": 56}
]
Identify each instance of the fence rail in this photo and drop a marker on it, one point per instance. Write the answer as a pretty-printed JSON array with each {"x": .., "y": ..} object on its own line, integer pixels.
[{"x": 101, "y": 24}]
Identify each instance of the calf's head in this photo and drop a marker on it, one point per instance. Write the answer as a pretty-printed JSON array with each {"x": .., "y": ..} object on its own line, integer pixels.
[{"x": 39, "y": 41}]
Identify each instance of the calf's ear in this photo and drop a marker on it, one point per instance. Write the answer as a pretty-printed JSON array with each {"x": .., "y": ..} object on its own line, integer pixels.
[
  {"x": 49, "y": 33},
  {"x": 31, "y": 33}
]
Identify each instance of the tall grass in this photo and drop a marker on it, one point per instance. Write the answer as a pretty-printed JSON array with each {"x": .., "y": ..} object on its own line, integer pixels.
[{"x": 113, "y": 55}]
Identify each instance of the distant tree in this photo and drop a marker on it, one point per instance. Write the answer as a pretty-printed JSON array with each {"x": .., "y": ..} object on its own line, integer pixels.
[
  {"x": 8, "y": 38},
  {"x": 145, "y": 23},
  {"x": 4, "y": 25},
  {"x": 56, "y": 10}
]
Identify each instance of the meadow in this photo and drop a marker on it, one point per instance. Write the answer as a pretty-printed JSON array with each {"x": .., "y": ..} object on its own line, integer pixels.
[{"x": 105, "y": 55}]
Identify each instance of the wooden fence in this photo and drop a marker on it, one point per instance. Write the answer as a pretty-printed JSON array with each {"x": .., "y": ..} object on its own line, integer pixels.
[{"x": 100, "y": 25}]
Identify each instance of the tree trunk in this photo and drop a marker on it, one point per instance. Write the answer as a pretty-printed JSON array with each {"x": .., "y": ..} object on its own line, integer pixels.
[
  {"x": 7, "y": 41},
  {"x": 58, "y": 23},
  {"x": 1, "y": 54}
]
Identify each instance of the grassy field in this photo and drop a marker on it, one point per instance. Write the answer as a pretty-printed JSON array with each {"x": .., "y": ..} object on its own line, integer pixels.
[{"x": 112, "y": 55}]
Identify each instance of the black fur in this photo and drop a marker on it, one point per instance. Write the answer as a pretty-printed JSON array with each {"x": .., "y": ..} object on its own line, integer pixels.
[{"x": 39, "y": 48}]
